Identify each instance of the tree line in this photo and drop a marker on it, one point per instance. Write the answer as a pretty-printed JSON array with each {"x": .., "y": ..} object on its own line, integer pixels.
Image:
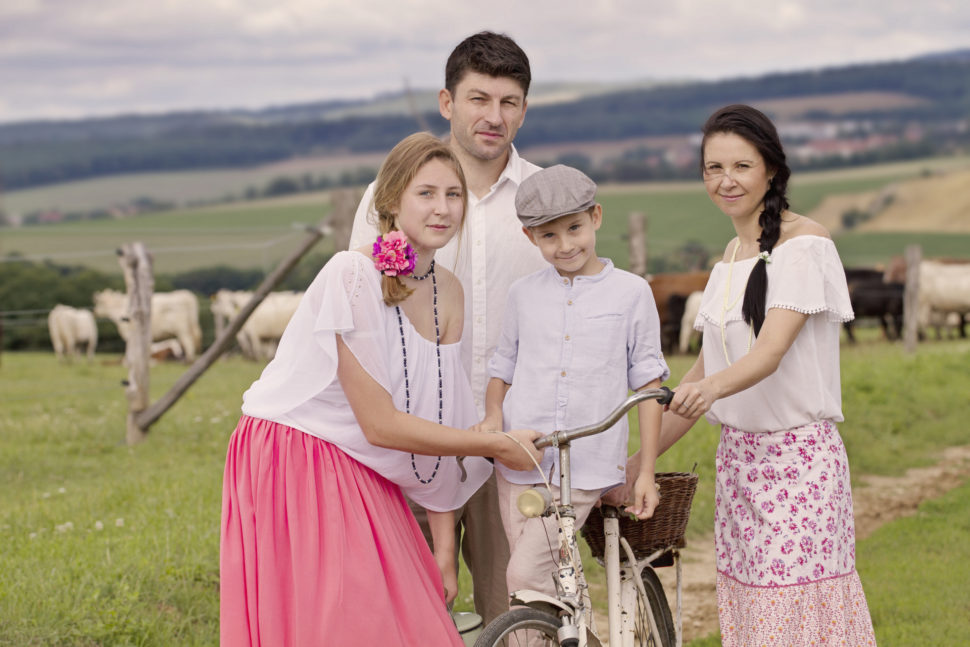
[{"x": 38, "y": 153}]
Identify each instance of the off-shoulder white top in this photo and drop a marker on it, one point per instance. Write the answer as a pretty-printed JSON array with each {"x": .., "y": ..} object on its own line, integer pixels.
[
  {"x": 299, "y": 387},
  {"x": 806, "y": 275}
]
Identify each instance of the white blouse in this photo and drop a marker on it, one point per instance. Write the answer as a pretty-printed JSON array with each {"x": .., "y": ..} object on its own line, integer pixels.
[
  {"x": 805, "y": 275},
  {"x": 487, "y": 257},
  {"x": 299, "y": 387}
]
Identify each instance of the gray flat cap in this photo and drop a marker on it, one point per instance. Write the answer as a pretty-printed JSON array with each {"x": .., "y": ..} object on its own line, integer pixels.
[{"x": 553, "y": 192}]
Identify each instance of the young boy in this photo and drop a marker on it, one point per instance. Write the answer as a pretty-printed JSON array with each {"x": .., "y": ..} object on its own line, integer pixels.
[{"x": 576, "y": 337}]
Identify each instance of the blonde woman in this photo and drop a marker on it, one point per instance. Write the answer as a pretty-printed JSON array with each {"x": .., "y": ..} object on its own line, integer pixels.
[{"x": 365, "y": 402}]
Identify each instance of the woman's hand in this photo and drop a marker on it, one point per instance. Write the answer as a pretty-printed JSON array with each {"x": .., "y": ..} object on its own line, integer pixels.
[
  {"x": 517, "y": 451},
  {"x": 692, "y": 400}
]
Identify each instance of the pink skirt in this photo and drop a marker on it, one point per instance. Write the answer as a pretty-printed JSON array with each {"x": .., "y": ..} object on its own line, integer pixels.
[
  {"x": 317, "y": 549},
  {"x": 785, "y": 540}
]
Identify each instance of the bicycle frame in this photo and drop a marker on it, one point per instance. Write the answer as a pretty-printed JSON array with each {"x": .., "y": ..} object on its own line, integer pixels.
[{"x": 622, "y": 581}]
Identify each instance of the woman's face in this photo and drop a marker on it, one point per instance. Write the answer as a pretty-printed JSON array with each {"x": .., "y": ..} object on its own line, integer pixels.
[
  {"x": 431, "y": 207},
  {"x": 735, "y": 175}
]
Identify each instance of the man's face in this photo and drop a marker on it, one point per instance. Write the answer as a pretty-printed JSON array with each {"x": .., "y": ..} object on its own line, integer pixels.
[{"x": 485, "y": 114}]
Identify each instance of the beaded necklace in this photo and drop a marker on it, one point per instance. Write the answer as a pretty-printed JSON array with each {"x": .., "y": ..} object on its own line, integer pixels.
[
  {"x": 426, "y": 274},
  {"x": 725, "y": 306},
  {"x": 437, "y": 350}
]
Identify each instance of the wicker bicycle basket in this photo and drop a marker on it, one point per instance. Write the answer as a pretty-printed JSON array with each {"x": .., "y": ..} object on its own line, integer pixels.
[{"x": 665, "y": 529}]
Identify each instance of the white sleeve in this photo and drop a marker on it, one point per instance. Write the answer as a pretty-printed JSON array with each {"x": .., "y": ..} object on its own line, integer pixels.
[
  {"x": 808, "y": 278},
  {"x": 365, "y": 221},
  {"x": 341, "y": 300}
]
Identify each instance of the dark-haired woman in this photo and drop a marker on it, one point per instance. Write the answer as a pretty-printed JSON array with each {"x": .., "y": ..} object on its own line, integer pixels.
[{"x": 768, "y": 373}]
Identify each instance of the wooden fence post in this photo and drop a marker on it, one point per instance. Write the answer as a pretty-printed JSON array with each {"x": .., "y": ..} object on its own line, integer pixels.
[
  {"x": 342, "y": 206},
  {"x": 136, "y": 264},
  {"x": 637, "y": 227},
  {"x": 913, "y": 255}
]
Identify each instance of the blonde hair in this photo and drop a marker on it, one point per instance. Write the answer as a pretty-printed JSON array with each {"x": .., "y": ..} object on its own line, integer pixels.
[{"x": 396, "y": 173}]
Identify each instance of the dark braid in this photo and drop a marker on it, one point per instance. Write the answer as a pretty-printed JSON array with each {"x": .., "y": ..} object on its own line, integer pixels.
[{"x": 753, "y": 126}]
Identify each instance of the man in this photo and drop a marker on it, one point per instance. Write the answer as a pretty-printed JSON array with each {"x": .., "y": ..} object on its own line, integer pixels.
[{"x": 487, "y": 80}]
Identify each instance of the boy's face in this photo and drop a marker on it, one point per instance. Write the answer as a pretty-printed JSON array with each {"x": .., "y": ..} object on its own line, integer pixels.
[
  {"x": 485, "y": 113},
  {"x": 569, "y": 242}
]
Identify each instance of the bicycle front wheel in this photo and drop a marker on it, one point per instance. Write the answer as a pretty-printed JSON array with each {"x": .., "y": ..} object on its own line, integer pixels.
[
  {"x": 655, "y": 603},
  {"x": 520, "y": 626}
]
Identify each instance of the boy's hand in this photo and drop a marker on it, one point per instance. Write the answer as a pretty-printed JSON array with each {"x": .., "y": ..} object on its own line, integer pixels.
[{"x": 645, "y": 497}]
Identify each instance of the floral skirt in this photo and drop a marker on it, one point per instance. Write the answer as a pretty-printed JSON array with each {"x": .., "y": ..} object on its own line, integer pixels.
[
  {"x": 317, "y": 549},
  {"x": 785, "y": 540}
]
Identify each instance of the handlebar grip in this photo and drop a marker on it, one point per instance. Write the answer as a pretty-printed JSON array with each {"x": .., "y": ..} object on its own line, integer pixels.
[{"x": 668, "y": 396}]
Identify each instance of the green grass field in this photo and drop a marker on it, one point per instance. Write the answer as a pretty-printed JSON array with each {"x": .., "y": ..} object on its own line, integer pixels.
[
  {"x": 110, "y": 545},
  {"x": 105, "y": 544}
]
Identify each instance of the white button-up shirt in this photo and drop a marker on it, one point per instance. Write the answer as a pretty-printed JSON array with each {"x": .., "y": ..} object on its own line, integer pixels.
[
  {"x": 571, "y": 351},
  {"x": 490, "y": 254}
]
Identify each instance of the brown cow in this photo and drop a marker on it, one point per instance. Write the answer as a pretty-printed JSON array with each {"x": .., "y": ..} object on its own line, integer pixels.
[{"x": 679, "y": 285}]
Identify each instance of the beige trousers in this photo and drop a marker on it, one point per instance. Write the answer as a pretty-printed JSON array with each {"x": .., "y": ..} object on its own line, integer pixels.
[{"x": 534, "y": 543}]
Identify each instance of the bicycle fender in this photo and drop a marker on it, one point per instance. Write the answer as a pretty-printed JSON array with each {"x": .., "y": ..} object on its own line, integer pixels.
[{"x": 528, "y": 598}]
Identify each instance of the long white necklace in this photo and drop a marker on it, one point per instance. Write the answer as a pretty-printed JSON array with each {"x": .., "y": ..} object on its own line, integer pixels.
[{"x": 725, "y": 306}]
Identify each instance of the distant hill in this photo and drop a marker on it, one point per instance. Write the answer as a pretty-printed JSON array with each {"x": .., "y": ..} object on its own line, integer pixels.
[
  {"x": 927, "y": 97},
  {"x": 936, "y": 202}
]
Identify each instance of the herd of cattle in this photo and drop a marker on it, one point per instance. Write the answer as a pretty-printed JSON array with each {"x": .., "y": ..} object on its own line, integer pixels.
[
  {"x": 175, "y": 328},
  {"x": 943, "y": 303}
]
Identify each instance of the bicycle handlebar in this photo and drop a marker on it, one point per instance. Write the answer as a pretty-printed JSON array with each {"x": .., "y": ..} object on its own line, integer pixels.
[{"x": 663, "y": 395}]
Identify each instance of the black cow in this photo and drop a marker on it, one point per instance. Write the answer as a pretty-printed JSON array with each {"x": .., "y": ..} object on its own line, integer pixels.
[{"x": 882, "y": 301}]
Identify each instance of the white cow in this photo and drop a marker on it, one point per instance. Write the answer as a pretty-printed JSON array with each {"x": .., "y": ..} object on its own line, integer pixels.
[
  {"x": 174, "y": 314},
  {"x": 944, "y": 293},
  {"x": 261, "y": 333},
  {"x": 225, "y": 305},
  {"x": 69, "y": 328},
  {"x": 687, "y": 333}
]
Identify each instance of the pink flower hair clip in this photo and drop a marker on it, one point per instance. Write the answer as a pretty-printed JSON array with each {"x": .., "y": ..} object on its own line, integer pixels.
[{"x": 393, "y": 256}]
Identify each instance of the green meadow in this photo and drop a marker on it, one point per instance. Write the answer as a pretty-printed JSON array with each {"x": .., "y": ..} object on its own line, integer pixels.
[{"x": 105, "y": 544}]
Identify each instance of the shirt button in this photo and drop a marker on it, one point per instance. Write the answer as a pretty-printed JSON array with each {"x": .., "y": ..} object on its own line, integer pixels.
[
  {"x": 565, "y": 281},
  {"x": 567, "y": 337},
  {"x": 569, "y": 303},
  {"x": 563, "y": 374}
]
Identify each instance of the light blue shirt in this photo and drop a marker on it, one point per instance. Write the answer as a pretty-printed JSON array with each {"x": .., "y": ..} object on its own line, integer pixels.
[{"x": 572, "y": 351}]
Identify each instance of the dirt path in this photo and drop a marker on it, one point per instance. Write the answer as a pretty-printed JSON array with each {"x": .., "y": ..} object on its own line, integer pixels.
[{"x": 878, "y": 500}]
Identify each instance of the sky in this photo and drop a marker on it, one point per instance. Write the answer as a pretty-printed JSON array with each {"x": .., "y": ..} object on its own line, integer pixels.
[{"x": 69, "y": 59}]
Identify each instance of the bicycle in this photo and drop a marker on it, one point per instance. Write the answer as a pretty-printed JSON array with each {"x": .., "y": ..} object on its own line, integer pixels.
[{"x": 638, "y": 611}]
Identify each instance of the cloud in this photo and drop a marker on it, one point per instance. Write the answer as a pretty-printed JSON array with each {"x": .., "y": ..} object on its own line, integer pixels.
[{"x": 88, "y": 57}]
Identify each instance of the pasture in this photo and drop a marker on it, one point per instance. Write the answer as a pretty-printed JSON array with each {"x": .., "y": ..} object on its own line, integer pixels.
[
  {"x": 106, "y": 544},
  {"x": 110, "y": 545},
  {"x": 258, "y": 234}
]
